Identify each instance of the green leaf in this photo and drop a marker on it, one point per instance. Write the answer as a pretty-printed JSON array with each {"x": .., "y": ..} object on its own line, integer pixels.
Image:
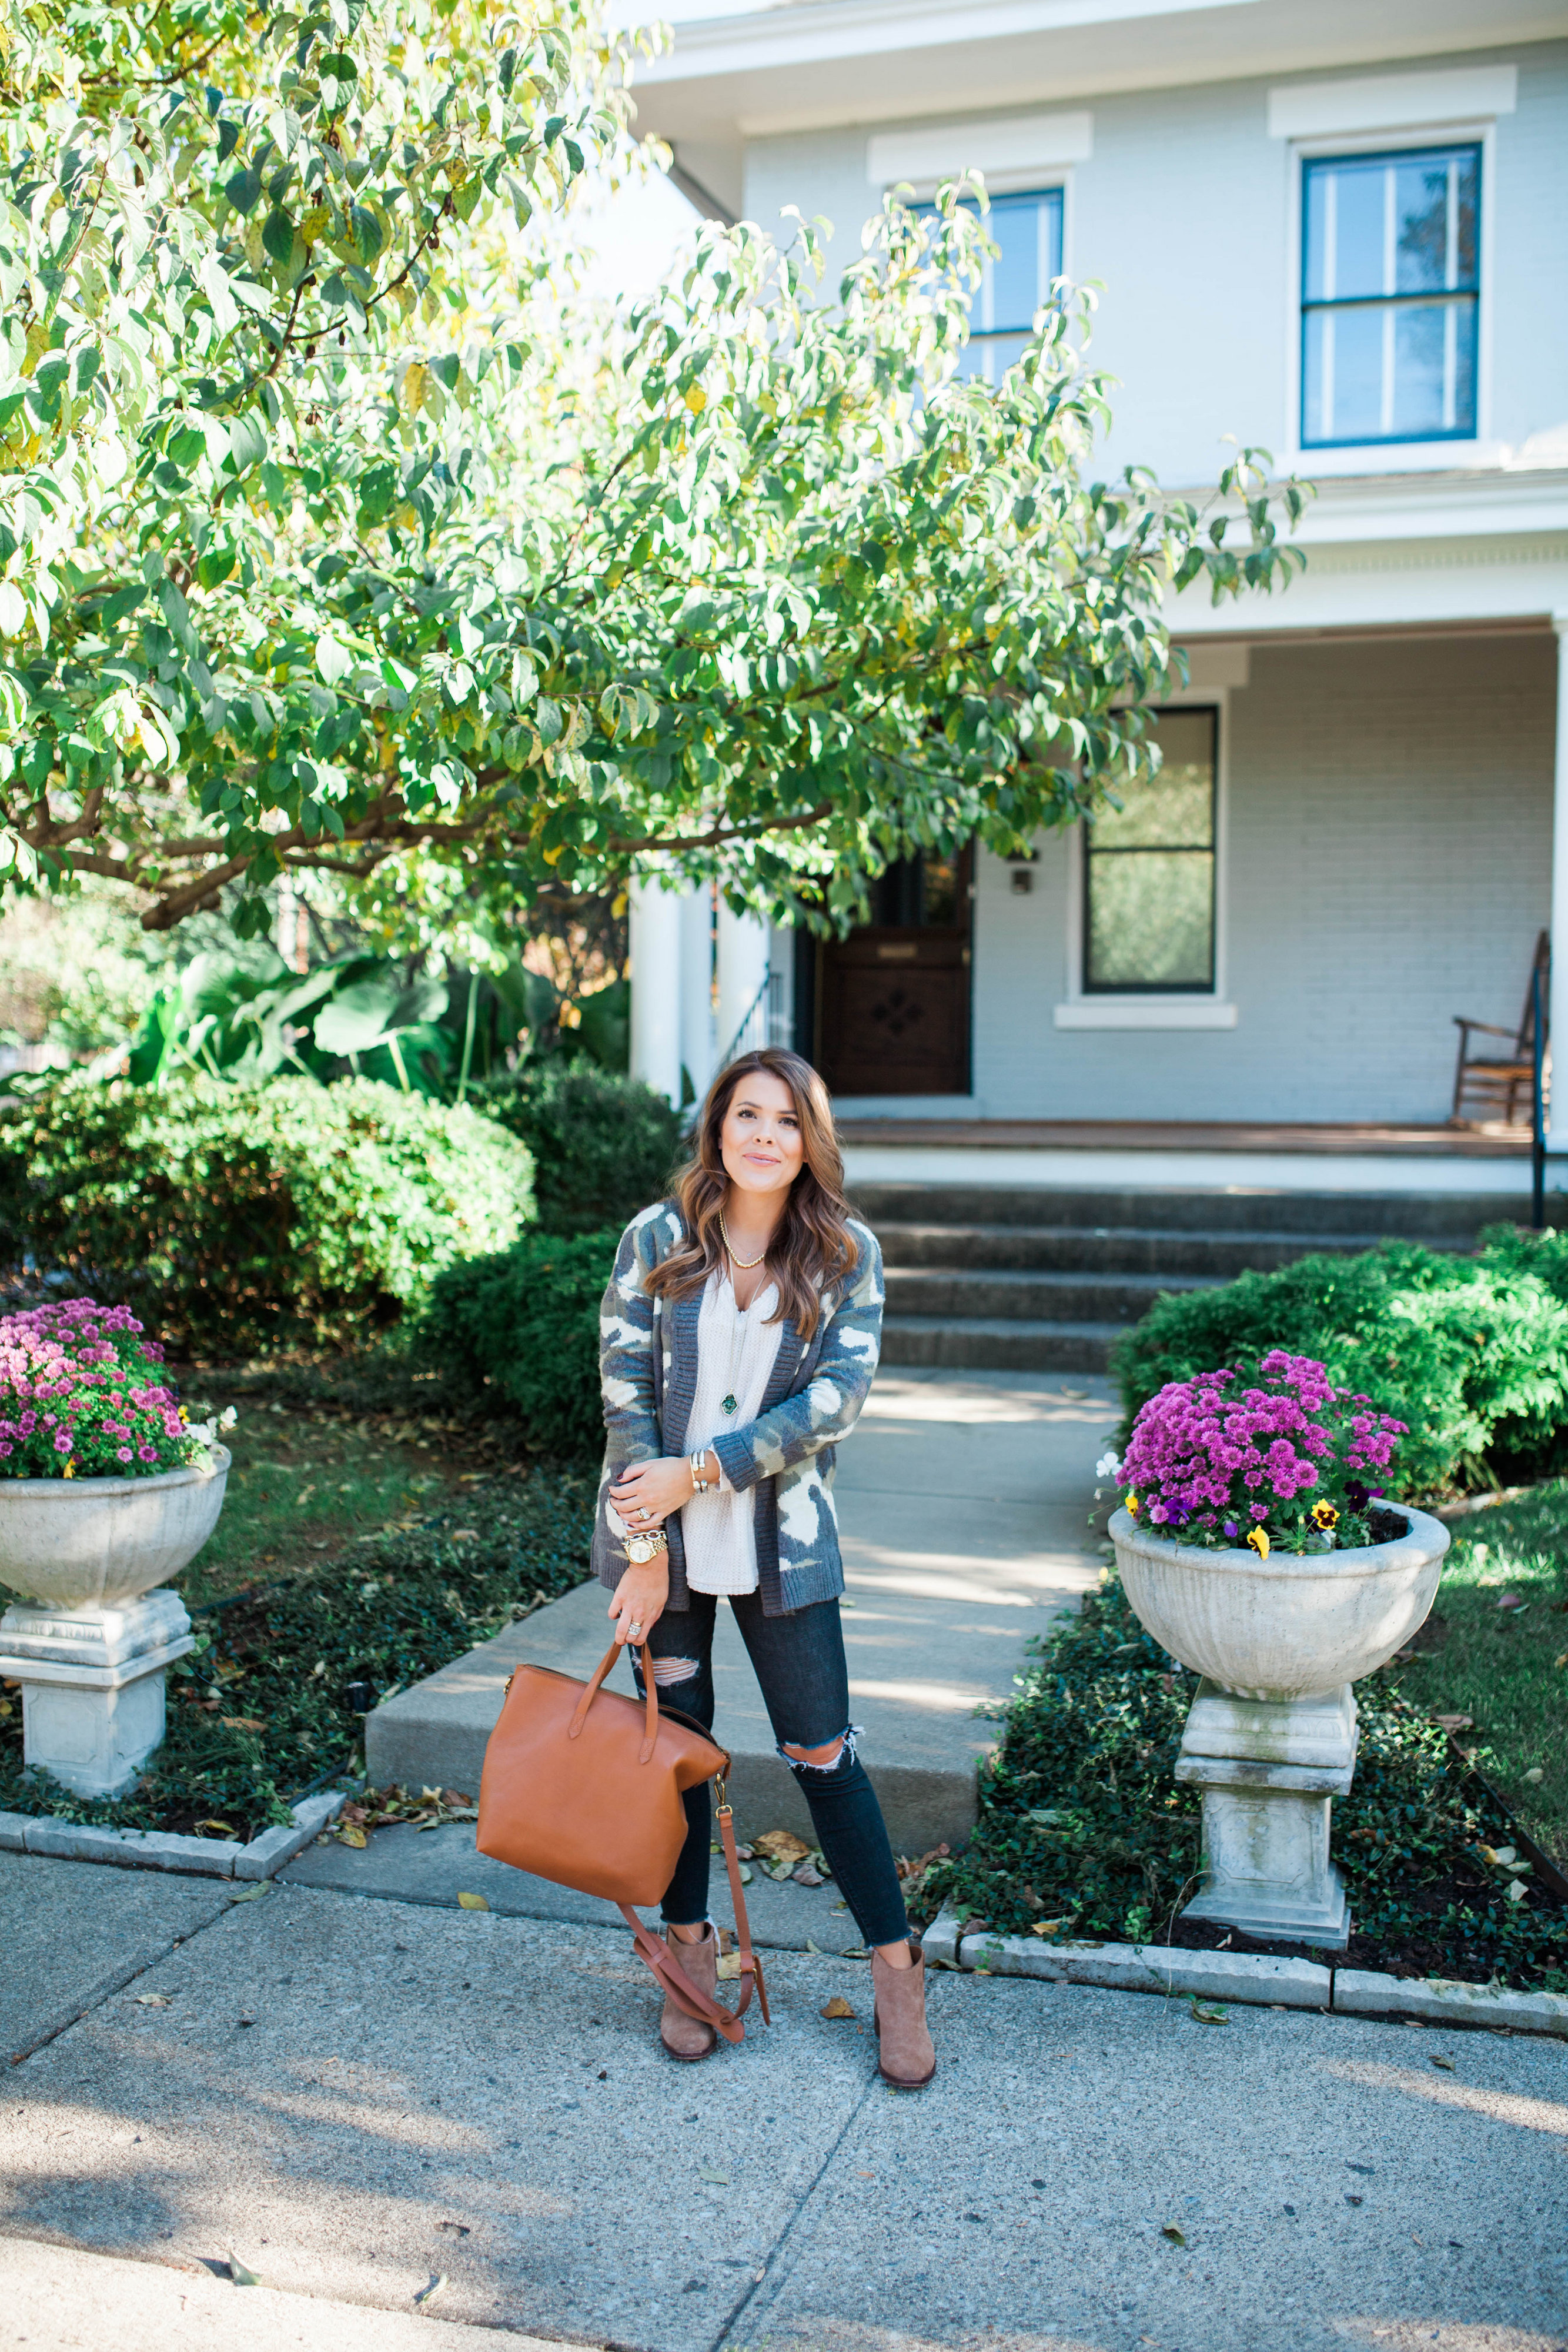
[
  {"x": 366, "y": 231},
  {"x": 334, "y": 660},
  {"x": 214, "y": 565},
  {"x": 377, "y": 489},
  {"x": 244, "y": 189},
  {"x": 277, "y": 236},
  {"x": 247, "y": 441}
]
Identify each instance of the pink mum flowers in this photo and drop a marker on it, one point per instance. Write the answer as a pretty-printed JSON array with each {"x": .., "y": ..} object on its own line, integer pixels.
[{"x": 83, "y": 1395}]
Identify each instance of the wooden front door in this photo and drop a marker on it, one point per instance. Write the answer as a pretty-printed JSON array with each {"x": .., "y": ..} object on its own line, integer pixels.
[{"x": 893, "y": 1000}]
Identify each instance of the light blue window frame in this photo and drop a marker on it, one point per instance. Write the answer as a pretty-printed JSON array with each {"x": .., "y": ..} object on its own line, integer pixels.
[
  {"x": 1391, "y": 296},
  {"x": 1027, "y": 228}
]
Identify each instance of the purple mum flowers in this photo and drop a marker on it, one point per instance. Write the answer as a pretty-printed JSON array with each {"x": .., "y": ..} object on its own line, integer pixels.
[{"x": 1210, "y": 1455}]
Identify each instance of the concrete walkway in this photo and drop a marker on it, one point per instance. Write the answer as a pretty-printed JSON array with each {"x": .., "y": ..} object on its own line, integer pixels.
[
  {"x": 962, "y": 1502},
  {"x": 352, "y": 2099},
  {"x": 356, "y": 2098}
]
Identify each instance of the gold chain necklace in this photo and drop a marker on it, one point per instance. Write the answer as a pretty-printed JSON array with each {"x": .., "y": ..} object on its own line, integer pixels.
[{"x": 744, "y": 1263}]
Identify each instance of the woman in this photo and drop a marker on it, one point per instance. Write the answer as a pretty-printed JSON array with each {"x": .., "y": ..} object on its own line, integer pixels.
[{"x": 739, "y": 1337}]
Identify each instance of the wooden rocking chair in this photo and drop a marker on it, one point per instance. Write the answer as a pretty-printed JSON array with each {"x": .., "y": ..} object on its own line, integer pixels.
[{"x": 1489, "y": 1091}]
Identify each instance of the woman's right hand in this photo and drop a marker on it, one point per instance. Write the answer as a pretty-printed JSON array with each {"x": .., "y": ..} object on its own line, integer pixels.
[{"x": 640, "y": 1599}]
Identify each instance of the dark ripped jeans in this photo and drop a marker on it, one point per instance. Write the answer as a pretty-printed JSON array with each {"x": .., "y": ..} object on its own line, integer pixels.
[{"x": 799, "y": 1665}]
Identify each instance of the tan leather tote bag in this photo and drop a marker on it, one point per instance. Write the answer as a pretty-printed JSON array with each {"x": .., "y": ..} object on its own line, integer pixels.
[{"x": 583, "y": 1787}]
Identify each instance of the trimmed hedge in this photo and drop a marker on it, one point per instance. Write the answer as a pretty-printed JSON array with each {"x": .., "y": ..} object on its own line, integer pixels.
[
  {"x": 523, "y": 1327},
  {"x": 602, "y": 1146},
  {"x": 234, "y": 1217},
  {"x": 1471, "y": 1352}
]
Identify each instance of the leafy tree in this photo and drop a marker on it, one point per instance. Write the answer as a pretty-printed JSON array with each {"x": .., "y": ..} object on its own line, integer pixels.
[{"x": 322, "y": 549}]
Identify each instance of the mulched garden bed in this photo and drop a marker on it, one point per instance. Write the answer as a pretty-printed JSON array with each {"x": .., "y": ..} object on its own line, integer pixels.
[
  {"x": 271, "y": 1702},
  {"x": 1084, "y": 1831}
]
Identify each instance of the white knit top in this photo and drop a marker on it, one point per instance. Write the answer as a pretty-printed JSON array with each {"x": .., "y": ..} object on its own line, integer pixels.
[{"x": 737, "y": 1348}]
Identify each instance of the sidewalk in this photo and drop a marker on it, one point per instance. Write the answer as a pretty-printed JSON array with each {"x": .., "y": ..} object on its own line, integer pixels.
[
  {"x": 354, "y": 2097},
  {"x": 962, "y": 1500}
]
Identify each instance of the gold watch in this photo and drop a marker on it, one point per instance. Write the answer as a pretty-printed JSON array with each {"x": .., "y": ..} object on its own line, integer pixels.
[{"x": 641, "y": 1549}]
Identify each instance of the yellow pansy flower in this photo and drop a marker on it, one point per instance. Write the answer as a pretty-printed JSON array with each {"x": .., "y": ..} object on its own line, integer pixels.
[{"x": 1258, "y": 1542}]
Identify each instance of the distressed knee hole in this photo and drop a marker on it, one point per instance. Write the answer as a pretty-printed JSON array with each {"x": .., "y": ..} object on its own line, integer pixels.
[
  {"x": 825, "y": 1759},
  {"x": 673, "y": 1670}
]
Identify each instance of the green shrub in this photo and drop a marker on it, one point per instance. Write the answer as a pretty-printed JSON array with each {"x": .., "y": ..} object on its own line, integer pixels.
[
  {"x": 234, "y": 1217},
  {"x": 603, "y": 1146},
  {"x": 1471, "y": 1352},
  {"x": 523, "y": 1325}
]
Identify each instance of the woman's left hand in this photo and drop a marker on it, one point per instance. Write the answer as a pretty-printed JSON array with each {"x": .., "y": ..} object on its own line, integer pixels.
[{"x": 648, "y": 1492}]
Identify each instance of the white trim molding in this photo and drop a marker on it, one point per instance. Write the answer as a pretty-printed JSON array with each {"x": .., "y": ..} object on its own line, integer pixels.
[
  {"x": 1144, "y": 1012},
  {"x": 1000, "y": 146},
  {"x": 1335, "y": 110}
]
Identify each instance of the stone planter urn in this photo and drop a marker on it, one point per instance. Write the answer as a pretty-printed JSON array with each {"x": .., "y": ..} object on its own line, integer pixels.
[
  {"x": 96, "y": 1626},
  {"x": 1271, "y": 1736}
]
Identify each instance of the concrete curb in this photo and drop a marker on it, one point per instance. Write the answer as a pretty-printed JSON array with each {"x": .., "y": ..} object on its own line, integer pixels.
[
  {"x": 155, "y": 1849},
  {"x": 1361, "y": 1992},
  {"x": 1244, "y": 1977}
]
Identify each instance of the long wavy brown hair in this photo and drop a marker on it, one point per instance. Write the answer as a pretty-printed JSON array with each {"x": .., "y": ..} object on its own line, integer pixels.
[{"x": 813, "y": 1249}]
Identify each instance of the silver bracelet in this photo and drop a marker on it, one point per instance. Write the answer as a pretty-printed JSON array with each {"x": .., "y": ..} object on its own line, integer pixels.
[{"x": 700, "y": 1484}]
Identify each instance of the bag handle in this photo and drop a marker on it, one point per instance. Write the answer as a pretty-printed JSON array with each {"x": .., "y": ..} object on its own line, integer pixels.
[
  {"x": 652, "y": 1948},
  {"x": 651, "y": 1727}
]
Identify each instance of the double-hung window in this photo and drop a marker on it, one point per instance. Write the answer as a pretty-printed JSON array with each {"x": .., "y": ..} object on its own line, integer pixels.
[
  {"x": 1149, "y": 871},
  {"x": 1390, "y": 296},
  {"x": 1027, "y": 231}
]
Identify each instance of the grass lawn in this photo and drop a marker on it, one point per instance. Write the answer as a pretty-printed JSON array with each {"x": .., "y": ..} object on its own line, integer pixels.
[
  {"x": 1506, "y": 1666},
  {"x": 316, "y": 1478}
]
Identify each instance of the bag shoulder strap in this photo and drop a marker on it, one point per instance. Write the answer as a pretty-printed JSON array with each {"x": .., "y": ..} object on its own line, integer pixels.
[{"x": 652, "y": 1948}]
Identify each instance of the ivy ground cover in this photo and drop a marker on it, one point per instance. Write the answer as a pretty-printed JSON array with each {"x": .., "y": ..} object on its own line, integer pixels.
[
  {"x": 357, "y": 1553},
  {"x": 1084, "y": 1830}
]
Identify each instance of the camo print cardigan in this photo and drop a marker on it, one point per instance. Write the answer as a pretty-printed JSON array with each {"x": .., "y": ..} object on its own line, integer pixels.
[{"x": 648, "y": 1365}]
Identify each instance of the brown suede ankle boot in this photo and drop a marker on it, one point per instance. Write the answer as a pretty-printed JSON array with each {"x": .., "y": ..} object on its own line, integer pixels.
[
  {"x": 690, "y": 2038},
  {"x": 908, "y": 2058}
]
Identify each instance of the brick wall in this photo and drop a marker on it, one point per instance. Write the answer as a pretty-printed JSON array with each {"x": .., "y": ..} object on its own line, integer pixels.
[{"x": 1389, "y": 837}]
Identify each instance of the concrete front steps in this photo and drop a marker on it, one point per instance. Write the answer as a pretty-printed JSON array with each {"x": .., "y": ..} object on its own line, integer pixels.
[{"x": 1042, "y": 1279}]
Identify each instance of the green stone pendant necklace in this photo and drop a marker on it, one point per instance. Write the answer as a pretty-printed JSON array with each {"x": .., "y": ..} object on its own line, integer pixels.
[{"x": 731, "y": 1403}]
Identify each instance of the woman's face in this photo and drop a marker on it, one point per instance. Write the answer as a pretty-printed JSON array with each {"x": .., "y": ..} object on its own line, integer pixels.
[{"x": 760, "y": 1141}]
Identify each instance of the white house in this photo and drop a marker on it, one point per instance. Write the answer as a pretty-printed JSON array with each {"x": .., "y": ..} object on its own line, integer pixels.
[{"x": 1338, "y": 231}]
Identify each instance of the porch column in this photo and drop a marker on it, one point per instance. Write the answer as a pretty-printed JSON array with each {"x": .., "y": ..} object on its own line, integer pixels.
[
  {"x": 1557, "y": 1123},
  {"x": 742, "y": 969},
  {"x": 696, "y": 986},
  {"x": 655, "y": 942}
]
